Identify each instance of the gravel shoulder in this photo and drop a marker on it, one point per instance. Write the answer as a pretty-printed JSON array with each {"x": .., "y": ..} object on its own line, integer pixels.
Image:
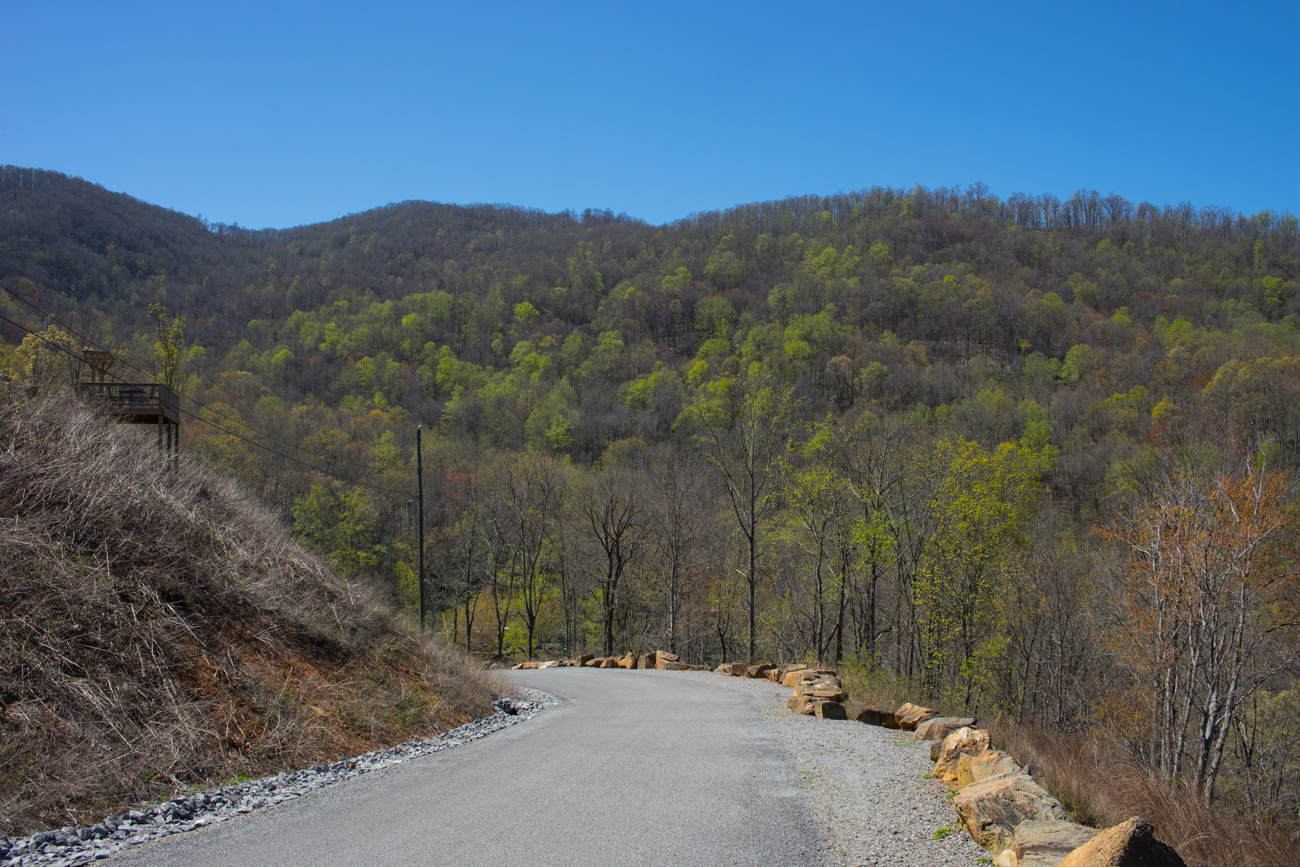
[{"x": 870, "y": 789}]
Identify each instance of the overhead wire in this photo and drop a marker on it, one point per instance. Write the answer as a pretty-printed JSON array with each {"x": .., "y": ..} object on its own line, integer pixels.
[{"x": 199, "y": 418}]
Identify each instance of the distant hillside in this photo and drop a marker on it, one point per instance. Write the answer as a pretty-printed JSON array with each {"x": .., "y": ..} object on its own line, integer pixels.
[
  {"x": 159, "y": 629},
  {"x": 937, "y": 434}
]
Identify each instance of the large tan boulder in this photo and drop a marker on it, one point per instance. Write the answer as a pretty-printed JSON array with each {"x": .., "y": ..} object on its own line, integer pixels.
[
  {"x": 773, "y": 674},
  {"x": 662, "y": 658},
  {"x": 627, "y": 660},
  {"x": 646, "y": 660},
  {"x": 583, "y": 659},
  {"x": 994, "y": 809},
  {"x": 796, "y": 677},
  {"x": 804, "y": 704},
  {"x": 789, "y": 667},
  {"x": 736, "y": 669},
  {"x": 759, "y": 669},
  {"x": 825, "y": 692},
  {"x": 609, "y": 662},
  {"x": 1131, "y": 844},
  {"x": 964, "y": 741},
  {"x": 594, "y": 662},
  {"x": 941, "y": 726},
  {"x": 1045, "y": 843},
  {"x": 1006, "y": 859},
  {"x": 910, "y": 715},
  {"x": 523, "y": 665},
  {"x": 830, "y": 710},
  {"x": 985, "y": 766},
  {"x": 549, "y": 664}
]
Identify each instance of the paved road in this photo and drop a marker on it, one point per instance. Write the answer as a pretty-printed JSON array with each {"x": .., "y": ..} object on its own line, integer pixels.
[{"x": 633, "y": 768}]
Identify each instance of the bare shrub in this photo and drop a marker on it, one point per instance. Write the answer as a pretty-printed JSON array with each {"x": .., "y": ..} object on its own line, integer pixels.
[
  {"x": 159, "y": 629},
  {"x": 1100, "y": 786}
]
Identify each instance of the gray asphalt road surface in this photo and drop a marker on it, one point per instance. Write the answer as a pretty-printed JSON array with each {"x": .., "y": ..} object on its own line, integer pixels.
[{"x": 632, "y": 768}]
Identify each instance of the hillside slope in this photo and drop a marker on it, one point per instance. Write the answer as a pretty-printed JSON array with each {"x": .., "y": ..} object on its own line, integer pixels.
[{"x": 159, "y": 629}]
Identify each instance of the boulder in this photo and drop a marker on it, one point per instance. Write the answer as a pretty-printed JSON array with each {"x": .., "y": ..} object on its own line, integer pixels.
[
  {"x": 551, "y": 664},
  {"x": 1130, "y": 844},
  {"x": 985, "y": 766},
  {"x": 804, "y": 704},
  {"x": 583, "y": 659},
  {"x": 941, "y": 726},
  {"x": 627, "y": 660},
  {"x": 874, "y": 715},
  {"x": 828, "y": 692},
  {"x": 964, "y": 741},
  {"x": 794, "y": 678},
  {"x": 1045, "y": 844},
  {"x": 789, "y": 667},
  {"x": 736, "y": 669},
  {"x": 646, "y": 661},
  {"x": 594, "y": 662},
  {"x": 759, "y": 669},
  {"x": 831, "y": 710},
  {"x": 724, "y": 668},
  {"x": 910, "y": 715},
  {"x": 674, "y": 666},
  {"x": 662, "y": 658},
  {"x": 609, "y": 662},
  {"x": 994, "y": 809},
  {"x": 1006, "y": 859},
  {"x": 773, "y": 674},
  {"x": 522, "y": 665}
]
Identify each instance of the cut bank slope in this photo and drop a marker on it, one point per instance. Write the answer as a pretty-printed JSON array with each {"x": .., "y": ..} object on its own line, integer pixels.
[{"x": 159, "y": 629}]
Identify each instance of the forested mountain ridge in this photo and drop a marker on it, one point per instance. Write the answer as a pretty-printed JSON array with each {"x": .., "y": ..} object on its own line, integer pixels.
[{"x": 935, "y": 432}]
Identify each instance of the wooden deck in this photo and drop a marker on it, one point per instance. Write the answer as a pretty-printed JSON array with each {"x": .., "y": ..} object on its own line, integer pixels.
[{"x": 135, "y": 402}]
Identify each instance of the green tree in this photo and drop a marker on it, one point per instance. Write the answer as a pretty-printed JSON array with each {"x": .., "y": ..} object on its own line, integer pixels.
[
  {"x": 169, "y": 346},
  {"x": 340, "y": 525},
  {"x": 980, "y": 508}
]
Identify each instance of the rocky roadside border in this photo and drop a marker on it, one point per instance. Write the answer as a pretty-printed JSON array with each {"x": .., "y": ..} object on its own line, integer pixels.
[{"x": 74, "y": 846}]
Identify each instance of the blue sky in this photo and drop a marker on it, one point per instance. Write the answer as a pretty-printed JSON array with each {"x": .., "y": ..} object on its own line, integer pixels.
[{"x": 279, "y": 114}]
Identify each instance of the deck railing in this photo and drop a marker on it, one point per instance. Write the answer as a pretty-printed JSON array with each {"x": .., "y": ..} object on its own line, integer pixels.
[{"x": 135, "y": 399}]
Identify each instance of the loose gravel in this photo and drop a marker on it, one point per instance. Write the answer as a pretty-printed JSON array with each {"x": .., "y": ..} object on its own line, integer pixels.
[
  {"x": 74, "y": 846},
  {"x": 870, "y": 789}
]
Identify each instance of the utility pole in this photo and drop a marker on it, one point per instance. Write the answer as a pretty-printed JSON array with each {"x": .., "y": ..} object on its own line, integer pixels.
[{"x": 419, "y": 487}]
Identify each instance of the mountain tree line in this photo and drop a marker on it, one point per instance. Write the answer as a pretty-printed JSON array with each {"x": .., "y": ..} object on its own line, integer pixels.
[{"x": 1031, "y": 455}]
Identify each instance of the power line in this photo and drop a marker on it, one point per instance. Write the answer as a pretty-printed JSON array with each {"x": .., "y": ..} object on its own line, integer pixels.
[{"x": 199, "y": 418}]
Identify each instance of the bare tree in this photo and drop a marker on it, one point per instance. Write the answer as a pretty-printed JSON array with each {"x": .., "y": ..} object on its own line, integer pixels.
[
  {"x": 534, "y": 488},
  {"x": 744, "y": 427},
  {"x": 612, "y": 518},
  {"x": 679, "y": 512}
]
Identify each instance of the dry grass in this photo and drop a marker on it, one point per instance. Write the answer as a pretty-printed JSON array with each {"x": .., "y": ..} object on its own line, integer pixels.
[
  {"x": 160, "y": 630},
  {"x": 1096, "y": 783},
  {"x": 869, "y": 687}
]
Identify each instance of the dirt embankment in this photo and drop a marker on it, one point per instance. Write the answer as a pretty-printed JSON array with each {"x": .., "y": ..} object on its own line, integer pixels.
[{"x": 159, "y": 630}]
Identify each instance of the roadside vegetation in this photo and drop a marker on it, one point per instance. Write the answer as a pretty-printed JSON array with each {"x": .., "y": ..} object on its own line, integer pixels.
[{"x": 159, "y": 631}]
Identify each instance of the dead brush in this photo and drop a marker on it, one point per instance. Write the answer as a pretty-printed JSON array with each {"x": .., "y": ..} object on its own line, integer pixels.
[
  {"x": 1100, "y": 786},
  {"x": 160, "y": 630}
]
